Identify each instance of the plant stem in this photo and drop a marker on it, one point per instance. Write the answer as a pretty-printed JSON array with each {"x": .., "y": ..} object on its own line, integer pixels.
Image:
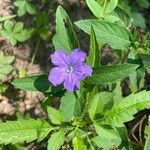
[
  {"x": 35, "y": 52},
  {"x": 125, "y": 56}
]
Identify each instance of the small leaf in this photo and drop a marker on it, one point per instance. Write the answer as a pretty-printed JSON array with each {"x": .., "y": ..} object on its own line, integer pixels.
[
  {"x": 109, "y": 74},
  {"x": 18, "y": 27},
  {"x": 5, "y": 67},
  {"x": 112, "y": 18},
  {"x": 65, "y": 37},
  {"x": 12, "y": 40},
  {"x": 114, "y": 35},
  {"x": 95, "y": 8},
  {"x": 4, "y": 18},
  {"x": 24, "y": 35},
  {"x": 93, "y": 58},
  {"x": 16, "y": 32},
  {"x": 3, "y": 87},
  {"x": 5, "y": 70},
  {"x": 33, "y": 83},
  {"x": 56, "y": 140},
  {"x": 146, "y": 60},
  {"x": 54, "y": 115},
  {"x": 107, "y": 137},
  {"x": 21, "y": 7},
  {"x": 100, "y": 103},
  {"x": 21, "y": 11},
  {"x": 70, "y": 106},
  {"x": 6, "y": 60},
  {"x": 41, "y": 19},
  {"x": 138, "y": 20},
  {"x": 124, "y": 110},
  {"x": 23, "y": 130},
  {"x": 144, "y": 3},
  {"x": 8, "y": 25},
  {"x": 25, "y": 6},
  {"x": 111, "y": 5},
  {"x": 78, "y": 144},
  {"x": 125, "y": 17},
  {"x": 30, "y": 8}
]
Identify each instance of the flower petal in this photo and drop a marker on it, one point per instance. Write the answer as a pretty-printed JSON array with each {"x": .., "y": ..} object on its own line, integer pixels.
[
  {"x": 83, "y": 71},
  {"x": 87, "y": 70},
  {"x": 57, "y": 76},
  {"x": 78, "y": 56},
  {"x": 71, "y": 83},
  {"x": 60, "y": 58}
]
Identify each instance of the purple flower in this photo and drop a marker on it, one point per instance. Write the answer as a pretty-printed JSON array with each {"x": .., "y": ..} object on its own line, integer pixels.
[{"x": 69, "y": 69}]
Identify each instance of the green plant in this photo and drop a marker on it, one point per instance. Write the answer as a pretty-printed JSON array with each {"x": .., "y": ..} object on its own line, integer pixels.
[
  {"x": 16, "y": 32},
  {"x": 93, "y": 114}
]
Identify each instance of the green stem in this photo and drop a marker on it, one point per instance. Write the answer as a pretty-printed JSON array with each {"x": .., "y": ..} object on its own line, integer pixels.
[
  {"x": 76, "y": 95},
  {"x": 125, "y": 56},
  {"x": 35, "y": 52}
]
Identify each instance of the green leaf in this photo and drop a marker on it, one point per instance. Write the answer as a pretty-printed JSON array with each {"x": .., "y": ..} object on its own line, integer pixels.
[
  {"x": 5, "y": 70},
  {"x": 6, "y": 60},
  {"x": 124, "y": 110},
  {"x": 93, "y": 58},
  {"x": 109, "y": 74},
  {"x": 4, "y": 18},
  {"x": 144, "y": 3},
  {"x": 114, "y": 35},
  {"x": 8, "y": 25},
  {"x": 112, "y": 18},
  {"x": 21, "y": 12},
  {"x": 111, "y": 5},
  {"x": 41, "y": 19},
  {"x": 16, "y": 32},
  {"x": 5, "y": 67},
  {"x": 18, "y": 27},
  {"x": 95, "y": 8},
  {"x": 100, "y": 103},
  {"x": 78, "y": 144},
  {"x": 107, "y": 138},
  {"x": 138, "y": 20},
  {"x": 54, "y": 115},
  {"x": 65, "y": 37},
  {"x": 125, "y": 7},
  {"x": 117, "y": 92},
  {"x": 146, "y": 60},
  {"x": 33, "y": 83},
  {"x": 3, "y": 88},
  {"x": 12, "y": 40},
  {"x": 137, "y": 80},
  {"x": 25, "y": 6},
  {"x": 70, "y": 106},
  {"x": 21, "y": 4},
  {"x": 30, "y": 8},
  {"x": 23, "y": 130},
  {"x": 24, "y": 35},
  {"x": 125, "y": 17},
  {"x": 56, "y": 140}
]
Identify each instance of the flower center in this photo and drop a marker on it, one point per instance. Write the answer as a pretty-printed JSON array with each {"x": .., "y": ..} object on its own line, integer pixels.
[{"x": 69, "y": 69}]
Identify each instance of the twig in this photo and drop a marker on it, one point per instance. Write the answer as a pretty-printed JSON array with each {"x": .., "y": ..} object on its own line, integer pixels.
[{"x": 140, "y": 123}]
